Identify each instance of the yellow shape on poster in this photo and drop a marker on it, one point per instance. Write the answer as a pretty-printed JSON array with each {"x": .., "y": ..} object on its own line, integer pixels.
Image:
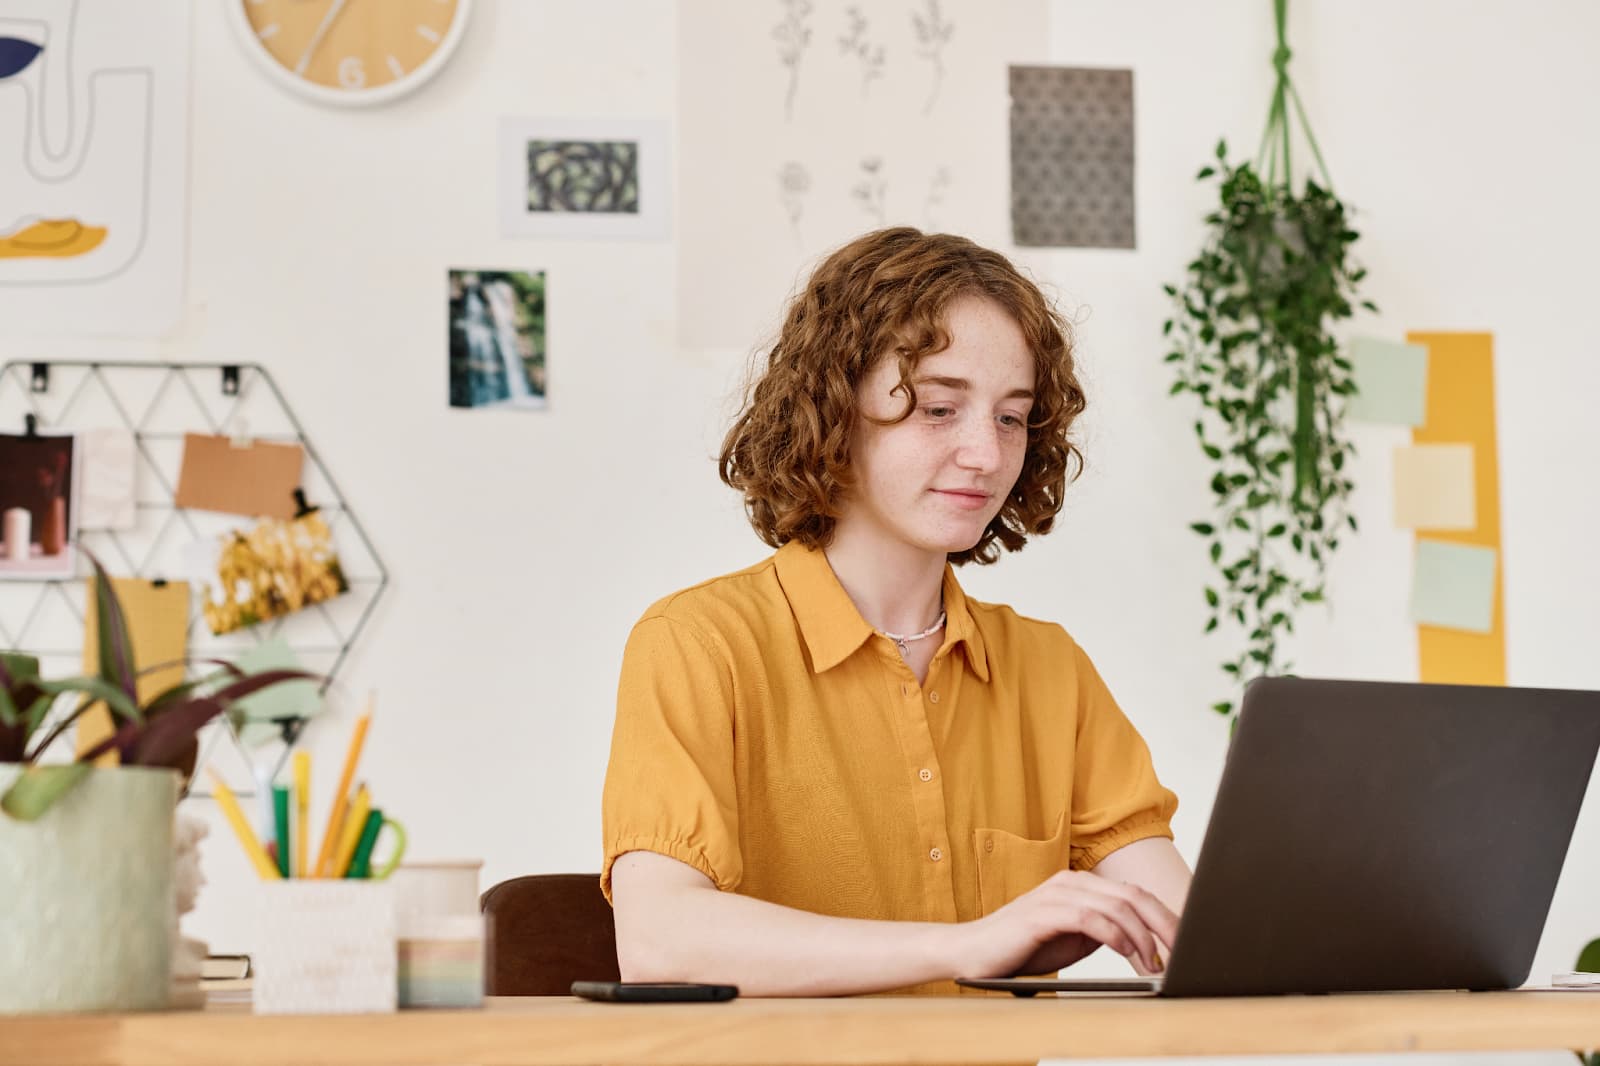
[
  {"x": 1433, "y": 487},
  {"x": 52, "y": 238},
  {"x": 158, "y": 627},
  {"x": 1461, "y": 411}
]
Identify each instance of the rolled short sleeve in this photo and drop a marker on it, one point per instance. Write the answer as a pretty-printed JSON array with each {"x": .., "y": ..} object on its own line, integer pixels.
[
  {"x": 1116, "y": 797},
  {"x": 670, "y": 784}
]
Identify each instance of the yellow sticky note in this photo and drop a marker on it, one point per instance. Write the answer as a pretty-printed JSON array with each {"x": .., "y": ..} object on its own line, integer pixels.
[{"x": 1433, "y": 487}]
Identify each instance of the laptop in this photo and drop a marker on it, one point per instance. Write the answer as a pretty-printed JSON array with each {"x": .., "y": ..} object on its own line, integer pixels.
[{"x": 1377, "y": 837}]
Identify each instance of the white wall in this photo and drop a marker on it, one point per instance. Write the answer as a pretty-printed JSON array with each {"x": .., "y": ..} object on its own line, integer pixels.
[{"x": 523, "y": 546}]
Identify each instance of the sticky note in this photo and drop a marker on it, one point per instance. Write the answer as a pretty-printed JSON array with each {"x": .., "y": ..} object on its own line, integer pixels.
[
  {"x": 1434, "y": 487},
  {"x": 1392, "y": 380},
  {"x": 254, "y": 715},
  {"x": 1453, "y": 586}
]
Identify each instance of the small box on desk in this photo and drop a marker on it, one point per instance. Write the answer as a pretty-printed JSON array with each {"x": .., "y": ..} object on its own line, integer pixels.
[
  {"x": 441, "y": 960},
  {"x": 325, "y": 947}
]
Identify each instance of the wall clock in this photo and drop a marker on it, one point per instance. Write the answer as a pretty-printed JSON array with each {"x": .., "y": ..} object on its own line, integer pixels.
[{"x": 350, "y": 52}]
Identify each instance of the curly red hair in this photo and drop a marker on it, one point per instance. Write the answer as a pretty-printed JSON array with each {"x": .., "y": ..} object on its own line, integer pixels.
[{"x": 885, "y": 294}]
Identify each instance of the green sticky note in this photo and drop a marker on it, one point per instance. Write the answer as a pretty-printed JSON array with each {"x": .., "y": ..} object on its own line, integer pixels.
[
  {"x": 1454, "y": 586},
  {"x": 1392, "y": 379},
  {"x": 254, "y": 714}
]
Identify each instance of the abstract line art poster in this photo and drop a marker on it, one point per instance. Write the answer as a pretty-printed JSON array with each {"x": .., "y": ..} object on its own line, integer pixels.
[
  {"x": 805, "y": 123},
  {"x": 93, "y": 165}
]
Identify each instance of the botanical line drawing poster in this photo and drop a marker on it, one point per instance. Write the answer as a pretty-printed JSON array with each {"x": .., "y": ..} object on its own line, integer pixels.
[
  {"x": 93, "y": 165},
  {"x": 809, "y": 122}
]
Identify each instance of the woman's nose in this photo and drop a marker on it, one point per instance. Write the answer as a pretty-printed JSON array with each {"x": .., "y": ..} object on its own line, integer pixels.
[{"x": 980, "y": 444}]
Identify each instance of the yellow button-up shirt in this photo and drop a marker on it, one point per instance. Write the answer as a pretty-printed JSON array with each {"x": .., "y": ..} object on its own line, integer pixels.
[{"x": 767, "y": 736}]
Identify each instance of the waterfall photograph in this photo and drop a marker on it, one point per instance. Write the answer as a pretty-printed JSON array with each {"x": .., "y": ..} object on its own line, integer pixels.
[{"x": 497, "y": 339}]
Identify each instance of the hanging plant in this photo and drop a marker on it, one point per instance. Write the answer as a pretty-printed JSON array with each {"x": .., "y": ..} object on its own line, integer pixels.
[{"x": 1251, "y": 339}]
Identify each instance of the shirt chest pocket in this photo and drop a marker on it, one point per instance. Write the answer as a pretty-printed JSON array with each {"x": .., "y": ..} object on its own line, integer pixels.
[{"x": 1010, "y": 865}]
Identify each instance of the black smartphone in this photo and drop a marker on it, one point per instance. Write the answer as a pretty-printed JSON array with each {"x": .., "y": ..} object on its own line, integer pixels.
[{"x": 653, "y": 992}]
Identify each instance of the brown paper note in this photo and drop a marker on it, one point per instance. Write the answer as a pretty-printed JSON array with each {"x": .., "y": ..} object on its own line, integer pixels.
[{"x": 253, "y": 480}]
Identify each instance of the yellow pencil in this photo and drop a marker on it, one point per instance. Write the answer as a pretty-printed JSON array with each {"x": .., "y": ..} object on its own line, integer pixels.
[
  {"x": 302, "y": 809},
  {"x": 241, "y": 828},
  {"x": 350, "y": 834},
  {"x": 336, "y": 817}
]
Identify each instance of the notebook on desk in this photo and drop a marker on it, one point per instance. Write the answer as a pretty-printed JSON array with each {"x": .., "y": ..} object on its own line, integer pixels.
[{"x": 1377, "y": 837}]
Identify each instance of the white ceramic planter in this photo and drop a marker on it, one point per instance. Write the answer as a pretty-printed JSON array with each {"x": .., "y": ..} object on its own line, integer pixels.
[{"x": 86, "y": 907}]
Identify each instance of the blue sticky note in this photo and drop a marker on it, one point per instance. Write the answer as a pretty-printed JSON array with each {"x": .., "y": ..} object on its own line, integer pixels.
[
  {"x": 1454, "y": 586},
  {"x": 1392, "y": 382}
]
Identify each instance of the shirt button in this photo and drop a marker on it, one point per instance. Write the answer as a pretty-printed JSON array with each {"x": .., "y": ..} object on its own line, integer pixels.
[
  {"x": 988, "y": 845},
  {"x": 926, "y": 775},
  {"x": 935, "y": 854},
  {"x": 933, "y": 697}
]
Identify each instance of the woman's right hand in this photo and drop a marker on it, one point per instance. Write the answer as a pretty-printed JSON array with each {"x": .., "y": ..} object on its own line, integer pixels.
[{"x": 1063, "y": 920}]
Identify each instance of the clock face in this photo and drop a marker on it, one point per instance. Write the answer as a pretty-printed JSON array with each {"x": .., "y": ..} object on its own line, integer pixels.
[{"x": 351, "y": 51}]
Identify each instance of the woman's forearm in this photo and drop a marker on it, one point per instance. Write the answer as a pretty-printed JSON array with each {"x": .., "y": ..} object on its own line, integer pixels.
[{"x": 691, "y": 933}]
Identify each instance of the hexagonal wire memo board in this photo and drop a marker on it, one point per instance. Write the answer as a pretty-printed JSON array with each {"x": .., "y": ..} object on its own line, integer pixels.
[{"x": 160, "y": 403}]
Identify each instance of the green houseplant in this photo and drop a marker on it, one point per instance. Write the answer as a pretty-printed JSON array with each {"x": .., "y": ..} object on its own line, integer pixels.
[
  {"x": 86, "y": 852},
  {"x": 1251, "y": 338}
]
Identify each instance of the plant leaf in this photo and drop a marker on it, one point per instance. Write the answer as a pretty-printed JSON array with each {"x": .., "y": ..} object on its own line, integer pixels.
[
  {"x": 165, "y": 734},
  {"x": 38, "y": 787},
  {"x": 19, "y": 696},
  {"x": 116, "y": 648},
  {"x": 97, "y": 687},
  {"x": 1589, "y": 958}
]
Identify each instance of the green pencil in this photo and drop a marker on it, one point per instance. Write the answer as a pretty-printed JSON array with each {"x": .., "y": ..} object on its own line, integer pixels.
[
  {"x": 361, "y": 860},
  {"x": 280, "y": 818}
]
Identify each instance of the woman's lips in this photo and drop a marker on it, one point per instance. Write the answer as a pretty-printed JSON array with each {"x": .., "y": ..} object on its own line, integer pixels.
[{"x": 970, "y": 501}]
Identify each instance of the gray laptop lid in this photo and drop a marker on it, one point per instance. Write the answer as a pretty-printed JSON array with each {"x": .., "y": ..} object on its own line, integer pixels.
[{"x": 1371, "y": 836}]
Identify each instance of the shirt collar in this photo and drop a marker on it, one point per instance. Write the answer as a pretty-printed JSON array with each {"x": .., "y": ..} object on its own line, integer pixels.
[{"x": 833, "y": 629}]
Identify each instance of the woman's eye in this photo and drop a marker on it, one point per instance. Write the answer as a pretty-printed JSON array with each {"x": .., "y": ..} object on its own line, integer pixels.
[
  {"x": 938, "y": 411},
  {"x": 1011, "y": 421}
]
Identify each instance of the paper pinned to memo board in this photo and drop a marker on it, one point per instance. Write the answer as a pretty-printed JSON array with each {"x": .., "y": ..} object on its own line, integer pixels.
[
  {"x": 252, "y": 479},
  {"x": 158, "y": 627}
]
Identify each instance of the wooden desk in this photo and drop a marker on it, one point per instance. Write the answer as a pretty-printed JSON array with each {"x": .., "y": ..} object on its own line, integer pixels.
[{"x": 570, "y": 1032}]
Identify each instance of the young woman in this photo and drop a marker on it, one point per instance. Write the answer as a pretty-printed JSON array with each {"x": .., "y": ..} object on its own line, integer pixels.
[{"x": 833, "y": 772}]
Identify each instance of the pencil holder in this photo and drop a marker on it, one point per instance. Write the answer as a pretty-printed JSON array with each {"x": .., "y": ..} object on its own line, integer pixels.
[{"x": 325, "y": 947}]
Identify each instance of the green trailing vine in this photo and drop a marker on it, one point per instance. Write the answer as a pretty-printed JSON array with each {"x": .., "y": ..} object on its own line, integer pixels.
[{"x": 1251, "y": 340}]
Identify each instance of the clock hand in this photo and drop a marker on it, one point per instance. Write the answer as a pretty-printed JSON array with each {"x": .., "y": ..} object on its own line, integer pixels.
[{"x": 316, "y": 38}]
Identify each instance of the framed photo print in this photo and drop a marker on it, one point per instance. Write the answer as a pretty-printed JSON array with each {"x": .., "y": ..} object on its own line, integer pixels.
[{"x": 583, "y": 179}]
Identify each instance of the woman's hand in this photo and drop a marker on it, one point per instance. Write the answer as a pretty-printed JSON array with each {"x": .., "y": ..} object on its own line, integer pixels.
[{"x": 1063, "y": 920}]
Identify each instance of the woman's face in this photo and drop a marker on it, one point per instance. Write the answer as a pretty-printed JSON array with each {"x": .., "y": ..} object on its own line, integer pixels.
[{"x": 936, "y": 480}]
